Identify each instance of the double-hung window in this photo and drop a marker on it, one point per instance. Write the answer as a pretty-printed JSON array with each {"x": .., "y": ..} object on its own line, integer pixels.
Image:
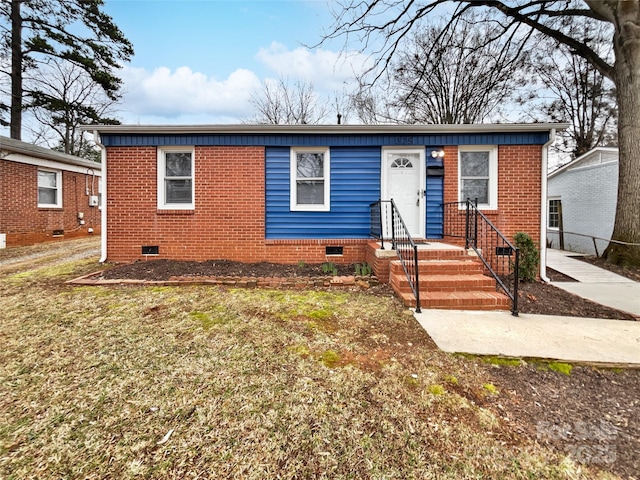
[
  {"x": 555, "y": 209},
  {"x": 478, "y": 174},
  {"x": 310, "y": 189},
  {"x": 176, "y": 178},
  {"x": 49, "y": 188}
]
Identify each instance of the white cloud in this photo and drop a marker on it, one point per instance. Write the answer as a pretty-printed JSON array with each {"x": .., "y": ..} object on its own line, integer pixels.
[
  {"x": 164, "y": 96},
  {"x": 328, "y": 71},
  {"x": 184, "y": 96}
]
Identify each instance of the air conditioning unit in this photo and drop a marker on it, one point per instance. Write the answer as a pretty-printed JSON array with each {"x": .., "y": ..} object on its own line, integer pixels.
[{"x": 93, "y": 201}]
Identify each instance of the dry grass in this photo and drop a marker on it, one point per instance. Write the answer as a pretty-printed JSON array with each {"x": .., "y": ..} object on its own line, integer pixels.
[{"x": 198, "y": 382}]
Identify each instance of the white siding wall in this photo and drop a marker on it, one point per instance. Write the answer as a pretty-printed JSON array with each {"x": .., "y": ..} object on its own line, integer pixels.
[{"x": 589, "y": 196}]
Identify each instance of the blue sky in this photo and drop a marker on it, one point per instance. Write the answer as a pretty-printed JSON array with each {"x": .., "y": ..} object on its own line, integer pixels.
[{"x": 198, "y": 61}]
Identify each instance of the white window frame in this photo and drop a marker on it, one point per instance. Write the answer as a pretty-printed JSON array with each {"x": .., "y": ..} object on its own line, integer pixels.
[
  {"x": 549, "y": 200},
  {"x": 162, "y": 203},
  {"x": 58, "y": 202},
  {"x": 324, "y": 207},
  {"x": 493, "y": 174}
]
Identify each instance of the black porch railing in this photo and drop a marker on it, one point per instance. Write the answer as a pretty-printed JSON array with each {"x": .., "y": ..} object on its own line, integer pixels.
[
  {"x": 499, "y": 256},
  {"x": 385, "y": 220}
]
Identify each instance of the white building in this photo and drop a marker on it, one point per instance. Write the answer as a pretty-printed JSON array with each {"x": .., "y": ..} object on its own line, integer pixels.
[{"x": 582, "y": 198}]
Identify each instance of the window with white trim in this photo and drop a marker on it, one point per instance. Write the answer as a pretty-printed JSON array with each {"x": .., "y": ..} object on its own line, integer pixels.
[
  {"x": 478, "y": 174},
  {"x": 554, "y": 213},
  {"x": 176, "y": 178},
  {"x": 310, "y": 189},
  {"x": 49, "y": 188}
]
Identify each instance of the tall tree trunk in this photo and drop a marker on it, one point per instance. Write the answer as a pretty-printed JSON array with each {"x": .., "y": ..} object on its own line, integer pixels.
[
  {"x": 627, "y": 80},
  {"x": 16, "y": 70}
]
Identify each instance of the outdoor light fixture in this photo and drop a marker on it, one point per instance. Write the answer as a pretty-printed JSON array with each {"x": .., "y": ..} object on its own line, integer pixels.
[{"x": 437, "y": 153}]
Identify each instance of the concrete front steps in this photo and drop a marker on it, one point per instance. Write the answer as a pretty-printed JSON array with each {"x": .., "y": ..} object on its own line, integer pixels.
[{"x": 449, "y": 279}]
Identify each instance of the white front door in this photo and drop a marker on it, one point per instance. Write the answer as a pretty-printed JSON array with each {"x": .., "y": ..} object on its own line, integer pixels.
[{"x": 403, "y": 180}]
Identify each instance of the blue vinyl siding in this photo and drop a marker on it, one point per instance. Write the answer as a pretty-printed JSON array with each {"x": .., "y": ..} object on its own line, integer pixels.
[
  {"x": 355, "y": 183},
  {"x": 301, "y": 140},
  {"x": 435, "y": 196}
]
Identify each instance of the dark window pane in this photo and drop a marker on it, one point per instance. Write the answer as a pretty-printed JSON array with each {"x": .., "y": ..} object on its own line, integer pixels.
[
  {"x": 310, "y": 165},
  {"x": 47, "y": 196},
  {"x": 178, "y": 191},
  {"x": 178, "y": 164},
  {"x": 474, "y": 164},
  {"x": 310, "y": 192},
  {"x": 476, "y": 189}
]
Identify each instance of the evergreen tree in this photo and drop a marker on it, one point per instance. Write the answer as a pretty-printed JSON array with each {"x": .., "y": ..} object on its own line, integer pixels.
[{"x": 32, "y": 32}]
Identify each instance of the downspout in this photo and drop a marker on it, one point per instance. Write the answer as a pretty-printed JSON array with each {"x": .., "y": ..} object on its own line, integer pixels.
[
  {"x": 103, "y": 217},
  {"x": 543, "y": 207}
]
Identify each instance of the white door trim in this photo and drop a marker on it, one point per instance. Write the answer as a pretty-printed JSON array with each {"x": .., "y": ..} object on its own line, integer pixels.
[{"x": 421, "y": 171}]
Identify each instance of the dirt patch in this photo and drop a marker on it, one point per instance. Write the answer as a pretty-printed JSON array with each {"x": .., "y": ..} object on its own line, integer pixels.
[{"x": 593, "y": 414}]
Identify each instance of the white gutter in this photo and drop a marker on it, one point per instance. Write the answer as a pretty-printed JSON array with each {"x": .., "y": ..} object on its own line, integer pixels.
[
  {"x": 103, "y": 218},
  {"x": 543, "y": 207},
  {"x": 390, "y": 129}
]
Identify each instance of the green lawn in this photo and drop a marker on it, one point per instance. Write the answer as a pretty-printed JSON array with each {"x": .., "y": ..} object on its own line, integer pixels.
[{"x": 198, "y": 382}]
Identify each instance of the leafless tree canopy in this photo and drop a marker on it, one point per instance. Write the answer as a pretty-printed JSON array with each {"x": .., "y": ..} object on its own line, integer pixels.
[
  {"x": 282, "y": 103},
  {"x": 578, "y": 93},
  {"x": 453, "y": 76}
]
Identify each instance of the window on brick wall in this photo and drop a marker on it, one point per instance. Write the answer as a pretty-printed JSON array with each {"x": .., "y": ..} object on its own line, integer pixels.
[
  {"x": 49, "y": 188},
  {"x": 310, "y": 189},
  {"x": 175, "y": 178},
  {"x": 478, "y": 175},
  {"x": 555, "y": 213}
]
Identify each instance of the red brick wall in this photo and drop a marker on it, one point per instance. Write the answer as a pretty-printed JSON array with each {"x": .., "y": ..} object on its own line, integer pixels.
[
  {"x": 26, "y": 224},
  {"x": 229, "y": 219},
  {"x": 519, "y": 188}
]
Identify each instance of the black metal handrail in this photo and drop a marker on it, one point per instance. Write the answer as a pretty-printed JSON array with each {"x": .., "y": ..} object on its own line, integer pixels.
[
  {"x": 401, "y": 241},
  {"x": 499, "y": 256}
]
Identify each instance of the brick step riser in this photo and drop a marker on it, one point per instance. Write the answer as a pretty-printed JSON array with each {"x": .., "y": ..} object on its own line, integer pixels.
[
  {"x": 406, "y": 288},
  {"x": 497, "y": 302},
  {"x": 442, "y": 254},
  {"x": 454, "y": 268}
]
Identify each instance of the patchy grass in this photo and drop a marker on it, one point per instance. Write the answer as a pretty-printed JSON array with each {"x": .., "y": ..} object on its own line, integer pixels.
[{"x": 188, "y": 382}]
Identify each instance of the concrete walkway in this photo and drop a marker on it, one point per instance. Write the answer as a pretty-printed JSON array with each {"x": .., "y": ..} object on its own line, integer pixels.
[
  {"x": 571, "y": 339},
  {"x": 595, "y": 283}
]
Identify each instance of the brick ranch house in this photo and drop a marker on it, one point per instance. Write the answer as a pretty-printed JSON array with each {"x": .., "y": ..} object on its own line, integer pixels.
[
  {"x": 291, "y": 193},
  {"x": 46, "y": 195}
]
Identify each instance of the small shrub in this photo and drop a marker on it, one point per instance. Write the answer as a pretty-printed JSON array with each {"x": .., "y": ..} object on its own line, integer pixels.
[
  {"x": 529, "y": 257},
  {"x": 301, "y": 264}
]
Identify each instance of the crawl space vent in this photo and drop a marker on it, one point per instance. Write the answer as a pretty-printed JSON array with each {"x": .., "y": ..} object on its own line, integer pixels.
[
  {"x": 333, "y": 250},
  {"x": 150, "y": 250}
]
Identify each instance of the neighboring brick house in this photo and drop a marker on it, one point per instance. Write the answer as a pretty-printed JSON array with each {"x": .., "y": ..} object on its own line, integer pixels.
[
  {"x": 582, "y": 198},
  {"x": 46, "y": 195},
  {"x": 285, "y": 193}
]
